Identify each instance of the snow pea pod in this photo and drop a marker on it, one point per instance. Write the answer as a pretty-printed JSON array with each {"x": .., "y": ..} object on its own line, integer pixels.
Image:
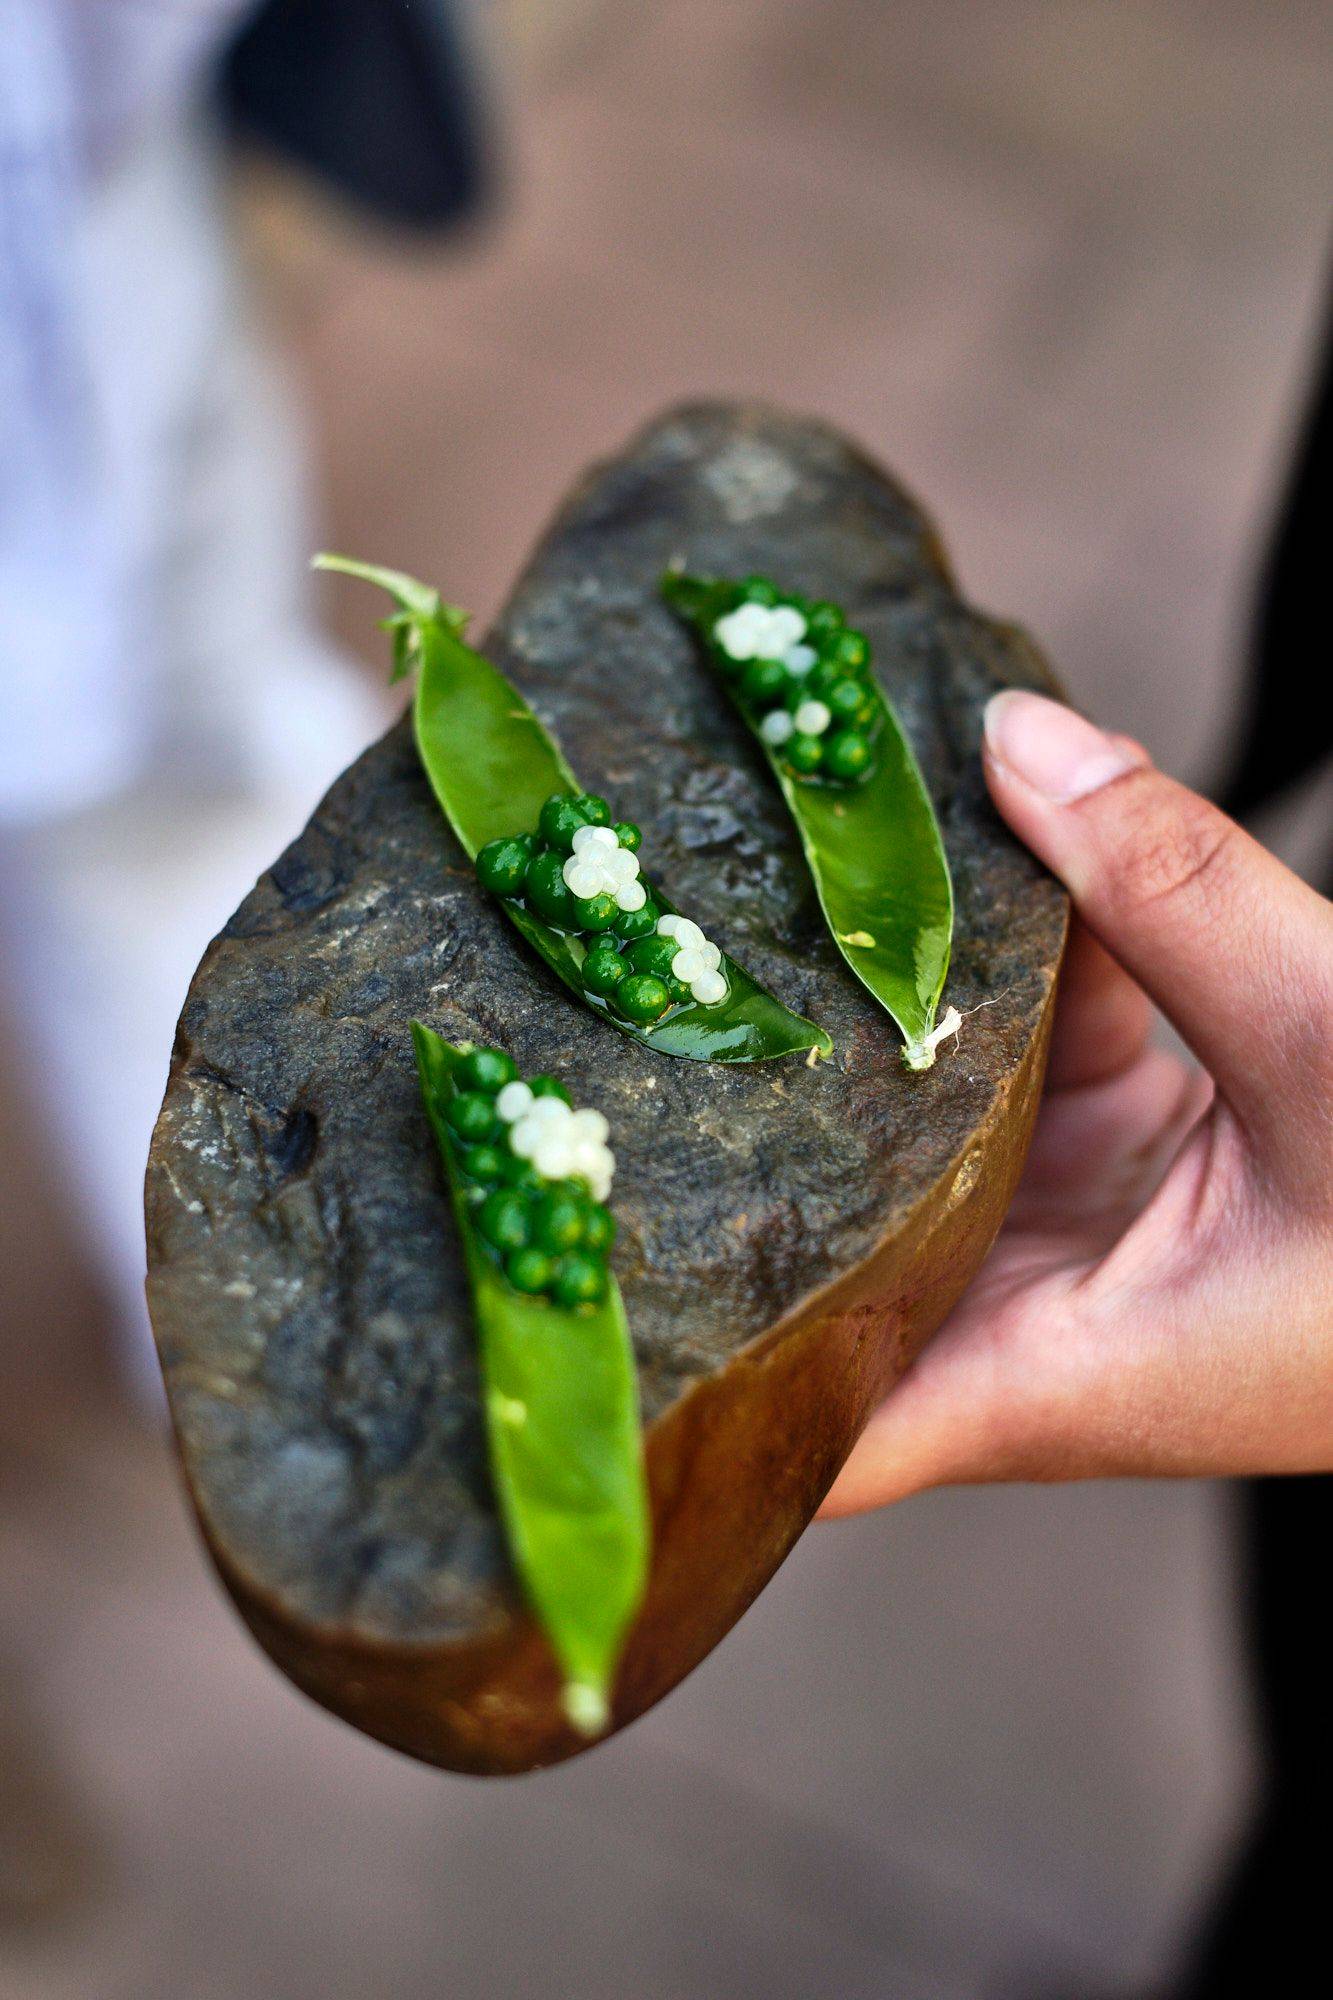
[
  {"x": 865, "y": 818},
  {"x": 492, "y": 767},
  {"x": 560, "y": 1396}
]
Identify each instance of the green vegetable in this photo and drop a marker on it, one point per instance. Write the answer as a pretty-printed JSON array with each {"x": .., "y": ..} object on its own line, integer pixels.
[
  {"x": 530, "y": 1269},
  {"x": 643, "y": 996},
  {"x": 566, "y": 1453},
  {"x": 505, "y": 1220},
  {"x": 864, "y": 815},
  {"x": 603, "y": 969},
  {"x": 493, "y": 769}
]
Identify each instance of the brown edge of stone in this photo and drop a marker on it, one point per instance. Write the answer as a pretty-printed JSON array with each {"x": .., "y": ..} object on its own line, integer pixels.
[{"x": 736, "y": 1469}]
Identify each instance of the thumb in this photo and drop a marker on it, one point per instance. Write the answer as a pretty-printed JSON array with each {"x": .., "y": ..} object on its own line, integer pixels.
[{"x": 1235, "y": 949}]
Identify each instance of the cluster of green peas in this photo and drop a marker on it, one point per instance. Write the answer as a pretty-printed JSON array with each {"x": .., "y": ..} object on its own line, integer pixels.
[
  {"x": 814, "y": 702},
  {"x": 550, "y": 1237},
  {"x": 628, "y": 965}
]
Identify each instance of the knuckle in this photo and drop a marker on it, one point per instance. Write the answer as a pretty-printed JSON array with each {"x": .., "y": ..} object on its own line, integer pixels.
[{"x": 1181, "y": 846}]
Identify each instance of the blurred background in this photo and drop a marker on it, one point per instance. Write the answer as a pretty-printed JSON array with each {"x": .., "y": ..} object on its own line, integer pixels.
[{"x": 386, "y": 277}]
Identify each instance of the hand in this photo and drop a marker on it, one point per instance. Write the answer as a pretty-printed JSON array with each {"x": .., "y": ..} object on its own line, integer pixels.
[{"x": 1160, "y": 1299}]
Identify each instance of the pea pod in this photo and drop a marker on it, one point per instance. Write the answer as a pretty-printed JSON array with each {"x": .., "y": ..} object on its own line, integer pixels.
[
  {"x": 561, "y": 1404},
  {"x": 492, "y": 767},
  {"x": 870, "y": 836}
]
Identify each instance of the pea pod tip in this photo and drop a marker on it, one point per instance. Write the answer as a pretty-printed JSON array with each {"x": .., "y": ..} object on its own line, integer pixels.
[
  {"x": 587, "y": 1707},
  {"x": 919, "y": 1053}
]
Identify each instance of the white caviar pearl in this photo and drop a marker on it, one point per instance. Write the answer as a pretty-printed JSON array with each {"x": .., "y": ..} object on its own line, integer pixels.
[
  {"x": 514, "y": 1100},
  {"x": 688, "y": 932},
  {"x": 776, "y": 726},
  {"x": 554, "y": 1157},
  {"x": 813, "y": 718},
  {"x": 687, "y": 965},
  {"x": 525, "y": 1136},
  {"x": 589, "y": 1124},
  {"x": 582, "y": 877},
  {"x": 785, "y": 626},
  {"x": 585, "y": 836},
  {"x": 738, "y": 632},
  {"x": 711, "y": 956},
  {"x": 631, "y": 896},
  {"x": 620, "y": 865},
  {"x": 602, "y": 836},
  {"x": 550, "y": 1110},
  {"x": 596, "y": 1164},
  {"x": 668, "y": 925},
  {"x": 709, "y": 988},
  {"x": 798, "y": 660}
]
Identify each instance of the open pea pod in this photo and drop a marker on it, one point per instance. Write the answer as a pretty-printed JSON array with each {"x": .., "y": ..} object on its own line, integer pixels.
[
  {"x": 870, "y": 835},
  {"x": 492, "y": 766},
  {"x": 560, "y": 1395}
]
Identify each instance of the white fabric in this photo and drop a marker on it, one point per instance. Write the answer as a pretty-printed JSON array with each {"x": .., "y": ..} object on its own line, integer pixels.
[
  {"x": 168, "y": 716},
  {"x": 100, "y": 348}
]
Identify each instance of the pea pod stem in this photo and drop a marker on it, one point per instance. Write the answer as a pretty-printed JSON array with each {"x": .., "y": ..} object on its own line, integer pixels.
[
  {"x": 492, "y": 765},
  {"x": 560, "y": 1397}
]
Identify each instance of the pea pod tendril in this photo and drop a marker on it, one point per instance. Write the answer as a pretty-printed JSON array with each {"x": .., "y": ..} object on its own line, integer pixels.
[
  {"x": 558, "y": 1377},
  {"x": 803, "y": 681},
  {"x": 511, "y": 798}
]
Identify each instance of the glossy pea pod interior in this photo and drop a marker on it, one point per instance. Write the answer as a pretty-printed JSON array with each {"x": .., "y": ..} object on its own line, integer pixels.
[
  {"x": 874, "y": 850},
  {"x": 492, "y": 766},
  {"x": 560, "y": 1395}
]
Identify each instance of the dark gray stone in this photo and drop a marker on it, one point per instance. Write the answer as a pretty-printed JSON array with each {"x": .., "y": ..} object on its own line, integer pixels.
[{"x": 306, "y": 1283}]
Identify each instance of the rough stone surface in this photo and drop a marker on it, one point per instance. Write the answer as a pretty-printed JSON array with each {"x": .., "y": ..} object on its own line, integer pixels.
[{"x": 305, "y": 1279}]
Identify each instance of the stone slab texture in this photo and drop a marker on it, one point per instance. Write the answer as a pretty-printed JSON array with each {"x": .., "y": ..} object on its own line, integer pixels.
[{"x": 305, "y": 1281}]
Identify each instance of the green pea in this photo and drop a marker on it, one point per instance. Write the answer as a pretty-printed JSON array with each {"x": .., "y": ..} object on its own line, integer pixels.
[
  {"x": 472, "y": 1116},
  {"x": 603, "y": 969},
  {"x": 653, "y": 954},
  {"x": 595, "y": 810},
  {"x": 847, "y": 754},
  {"x": 486, "y": 1069},
  {"x": 548, "y": 892},
  {"x": 502, "y": 864},
  {"x": 758, "y": 590},
  {"x": 638, "y": 923},
  {"x": 530, "y": 1270},
  {"x": 560, "y": 819},
  {"x": 516, "y": 1173},
  {"x": 869, "y": 710},
  {"x": 845, "y": 699},
  {"x": 851, "y": 649},
  {"x": 484, "y": 1163},
  {"x": 558, "y": 1222},
  {"x": 764, "y": 682},
  {"x": 596, "y": 913},
  {"x": 805, "y": 754},
  {"x": 549, "y": 1086},
  {"x": 628, "y": 835},
  {"x": 821, "y": 680},
  {"x": 823, "y": 621},
  {"x": 599, "y": 1229},
  {"x": 505, "y": 1219},
  {"x": 579, "y": 1280},
  {"x": 678, "y": 991},
  {"x": 642, "y": 997}
]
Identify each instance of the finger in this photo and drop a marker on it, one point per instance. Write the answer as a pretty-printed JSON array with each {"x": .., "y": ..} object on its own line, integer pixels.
[
  {"x": 1234, "y": 948},
  {"x": 1102, "y": 1019}
]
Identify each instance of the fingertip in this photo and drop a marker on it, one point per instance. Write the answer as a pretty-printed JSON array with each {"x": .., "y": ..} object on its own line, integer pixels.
[{"x": 1051, "y": 749}]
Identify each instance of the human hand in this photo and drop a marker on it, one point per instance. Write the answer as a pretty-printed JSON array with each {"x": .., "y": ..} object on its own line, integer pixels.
[{"x": 1160, "y": 1299}]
